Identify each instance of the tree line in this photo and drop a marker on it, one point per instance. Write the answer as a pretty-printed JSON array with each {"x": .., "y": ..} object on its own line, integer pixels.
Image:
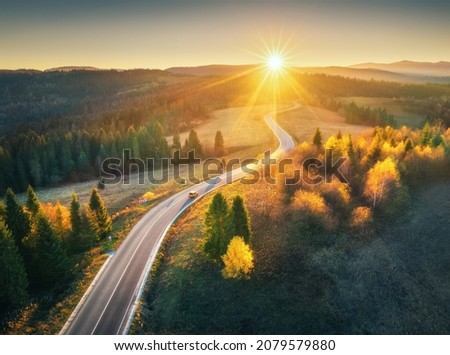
[{"x": 38, "y": 242}]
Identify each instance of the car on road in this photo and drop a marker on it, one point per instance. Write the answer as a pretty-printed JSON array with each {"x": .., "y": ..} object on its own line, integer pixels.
[{"x": 193, "y": 194}]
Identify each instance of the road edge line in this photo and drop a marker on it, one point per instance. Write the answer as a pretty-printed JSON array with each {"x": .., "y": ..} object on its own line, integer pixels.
[{"x": 84, "y": 297}]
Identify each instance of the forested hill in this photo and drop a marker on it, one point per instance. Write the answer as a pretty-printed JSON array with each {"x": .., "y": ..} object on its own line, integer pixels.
[
  {"x": 57, "y": 127},
  {"x": 30, "y": 96}
]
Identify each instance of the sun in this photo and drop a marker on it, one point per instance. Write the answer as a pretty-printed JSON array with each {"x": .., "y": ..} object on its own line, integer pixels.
[{"x": 275, "y": 62}]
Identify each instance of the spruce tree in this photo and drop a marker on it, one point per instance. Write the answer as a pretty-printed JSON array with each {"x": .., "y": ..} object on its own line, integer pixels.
[
  {"x": 239, "y": 221},
  {"x": 2, "y": 211},
  {"x": 87, "y": 229},
  {"x": 17, "y": 220},
  {"x": 13, "y": 276},
  {"x": 317, "y": 140},
  {"x": 216, "y": 227},
  {"x": 33, "y": 204},
  {"x": 76, "y": 223},
  {"x": 176, "y": 145},
  {"x": 103, "y": 224},
  {"x": 50, "y": 260},
  {"x": 219, "y": 145},
  {"x": 194, "y": 143}
]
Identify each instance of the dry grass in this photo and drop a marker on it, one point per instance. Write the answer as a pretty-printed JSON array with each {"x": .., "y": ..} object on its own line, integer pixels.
[
  {"x": 242, "y": 128},
  {"x": 302, "y": 123}
]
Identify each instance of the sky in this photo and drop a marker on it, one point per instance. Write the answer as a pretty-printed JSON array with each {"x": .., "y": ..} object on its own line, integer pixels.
[{"x": 42, "y": 34}]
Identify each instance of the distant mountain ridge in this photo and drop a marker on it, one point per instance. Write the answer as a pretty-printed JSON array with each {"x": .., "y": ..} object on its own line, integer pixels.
[
  {"x": 405, "y": 71},
  {"x": 441, "y": 68},
  {"x": 213, "y": 69},
  {"x": 72, "y": 68}
]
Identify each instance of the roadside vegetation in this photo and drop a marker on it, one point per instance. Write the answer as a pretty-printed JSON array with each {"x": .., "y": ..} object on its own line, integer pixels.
[{"x": 357, "y": 258}]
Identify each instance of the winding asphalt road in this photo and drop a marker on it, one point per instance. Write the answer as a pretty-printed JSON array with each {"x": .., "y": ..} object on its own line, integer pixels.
[{"x": 109, "y": 304}]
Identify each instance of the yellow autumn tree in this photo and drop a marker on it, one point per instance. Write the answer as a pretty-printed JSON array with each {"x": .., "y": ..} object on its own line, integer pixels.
[
  {"x": 310, "y": 202},
  {"x": 238, "y": 259},
  {"x": 58, "y": 215},
  {"x": 381, "y": 180}
]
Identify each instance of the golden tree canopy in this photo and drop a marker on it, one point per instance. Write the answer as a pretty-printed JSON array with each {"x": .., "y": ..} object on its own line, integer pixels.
[
  {"x": 238, "y": 259},
  {"x": 381, "y": 179}
]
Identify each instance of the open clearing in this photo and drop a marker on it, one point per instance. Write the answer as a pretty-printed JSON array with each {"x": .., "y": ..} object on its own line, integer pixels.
[
  {"x": 245, "y": 134},
  {"x": 241, "y": 127},
  {"x": 301, "y": 123},
  {"x": 396, "y": 107}
]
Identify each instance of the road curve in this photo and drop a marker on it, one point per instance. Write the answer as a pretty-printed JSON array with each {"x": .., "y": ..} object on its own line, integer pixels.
[{"x": 109, "y": 304}]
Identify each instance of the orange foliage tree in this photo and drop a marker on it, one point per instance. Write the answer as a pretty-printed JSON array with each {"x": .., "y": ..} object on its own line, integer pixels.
[{"x": 59, "y": 217}]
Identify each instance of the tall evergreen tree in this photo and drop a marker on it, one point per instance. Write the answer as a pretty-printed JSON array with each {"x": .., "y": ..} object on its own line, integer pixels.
[
  {"x": 33, "y": 204},
  {"x": 219, "y": 145},
  {"x": 194, "y": 143},
  {"x": 82, "y": 234},
  {"x": 317, "y": 139},
  {"x": 103, "y": 224},
  {"x": 176, "y": 145},
  {"x": 17, "y": 220},
  {"x": 2, "y": 211},
  {"x": 87, "y": 230},
  {"x": 239, "y": 223},
  {"x": 75, "y": 215},
  {"x": 216, "y": 227},
  {"x": 13, "y": 276},
  {"x": 50, "y": 260}
]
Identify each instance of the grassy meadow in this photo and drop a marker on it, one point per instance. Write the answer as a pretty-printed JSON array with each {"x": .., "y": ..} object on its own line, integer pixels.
[{"x": 301, "y": 123}]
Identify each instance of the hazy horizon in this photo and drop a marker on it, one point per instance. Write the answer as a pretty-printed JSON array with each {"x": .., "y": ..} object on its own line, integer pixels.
[
  {"x": 88, "y": 67},
  {"x": 148, "y": 34}
]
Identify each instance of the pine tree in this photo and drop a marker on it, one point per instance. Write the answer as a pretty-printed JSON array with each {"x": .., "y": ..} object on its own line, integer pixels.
[
  {"x": 219, "y": 145},
  {"x": 33, "y": 204},
  {"x": 82, "y": 234},
  {"x": 2, "y": 211},
  {"x": 176, "y": 145},
  {"x": 216, "y": 227},
  {"x": 75, "y": 215},
  {"x": 351, "y": 154},
  {"x": 194, "y": 143},
  {"x": 17, "y": 220},
  {"x": 101, "y": 183},
  {"x": 426, "y": 134},
  {"x": 50, "y": 260},
  {"x": 317, "y": 140},
  {"x": 239, "y": 223},
  {"x": 87, "y": 229},
  {"x": 103, "y": 224},
  {"x": 339, "y": 135},
  {"x": 13, "y": 276}
]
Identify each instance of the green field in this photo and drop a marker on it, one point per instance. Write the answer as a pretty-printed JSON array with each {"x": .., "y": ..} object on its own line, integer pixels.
[{"x": 396, "y": 107}]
